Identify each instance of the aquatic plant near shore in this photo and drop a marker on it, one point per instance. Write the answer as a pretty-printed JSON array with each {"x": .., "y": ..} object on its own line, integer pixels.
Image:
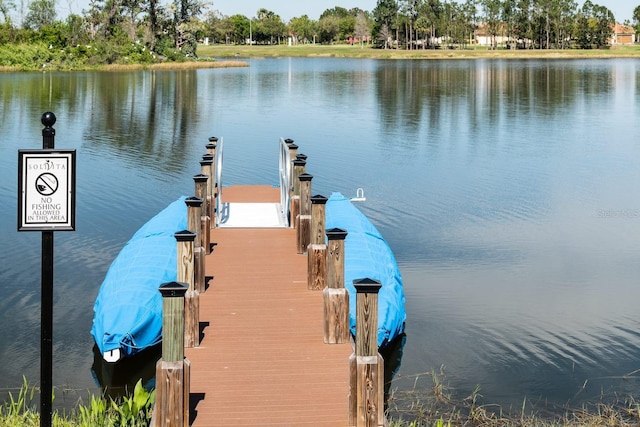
[
  {"x": 134, "y": 410},
  {"x": 435, "y": 406}
]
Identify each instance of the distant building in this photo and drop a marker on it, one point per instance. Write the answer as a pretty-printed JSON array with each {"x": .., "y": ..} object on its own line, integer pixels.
[
  {"x": 483, "y": 38},
  {"x": 623, "y": 34}
]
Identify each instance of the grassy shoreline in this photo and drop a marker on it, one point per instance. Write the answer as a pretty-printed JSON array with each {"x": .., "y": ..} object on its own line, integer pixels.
[
  {"x": 356, "y": 51},
  {"x": 226, "y": 56},
  {"x": 163, "y": 66}
]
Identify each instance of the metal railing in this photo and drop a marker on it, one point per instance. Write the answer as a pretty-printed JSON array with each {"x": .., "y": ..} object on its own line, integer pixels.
[
  {"x": 285, "y": 174},
  {"x": 218, "y": 181},
  {"x": 285, "y": 180}
]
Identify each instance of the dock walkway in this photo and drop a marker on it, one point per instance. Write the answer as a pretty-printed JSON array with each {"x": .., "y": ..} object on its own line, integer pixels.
[{"x": 261, "y": 359}]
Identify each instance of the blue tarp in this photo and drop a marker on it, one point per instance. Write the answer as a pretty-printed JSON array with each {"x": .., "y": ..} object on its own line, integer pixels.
[
  {"x": 367, "y": 255},
  {"x": 128, "y": 309}
]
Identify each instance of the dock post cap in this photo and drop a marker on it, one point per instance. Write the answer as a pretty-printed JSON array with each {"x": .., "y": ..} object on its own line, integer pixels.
[
  {"x": 200, "y": 177},
  {"x": 319, "y": 199},
  {"x": 207, "y": 158},
  {"x": 213, "y": 139},
  {"x": 288, "y": 141},
  {"x": 185, "y": 236},
  {"x": 299, "y": 162},
  {"x": 302, "y": 157},
  {"x": 367, "y": 286},
  {"x": 48, "y": 119},
  {"x": 305, "y": 177},
  {"x": 173, "y": 289},
  {"x": 293, "y": 146},
  {"x": 336, "y": 234},
  {"x": 194, "y": 201}
]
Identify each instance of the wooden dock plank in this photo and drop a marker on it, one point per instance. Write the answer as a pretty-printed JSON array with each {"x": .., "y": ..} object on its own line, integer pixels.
[{"x": 262, "y": 360}]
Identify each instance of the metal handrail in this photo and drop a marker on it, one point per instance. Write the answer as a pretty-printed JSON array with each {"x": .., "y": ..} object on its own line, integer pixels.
[
  {"x": 218, "y": 181},
  {"x": 285, "y": 180}
]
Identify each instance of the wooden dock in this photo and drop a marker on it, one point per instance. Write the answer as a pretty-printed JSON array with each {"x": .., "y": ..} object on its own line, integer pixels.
[
  {"x": 267, "y": 340},
  {"x": 261, "y": 359}
]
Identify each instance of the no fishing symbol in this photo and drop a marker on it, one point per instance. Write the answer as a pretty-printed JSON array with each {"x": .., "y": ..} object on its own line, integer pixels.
[{"x": 46, "y": 184}]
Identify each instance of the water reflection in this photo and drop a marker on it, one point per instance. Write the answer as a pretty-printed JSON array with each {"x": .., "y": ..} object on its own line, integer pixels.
[{"x": 145, "y": 115}]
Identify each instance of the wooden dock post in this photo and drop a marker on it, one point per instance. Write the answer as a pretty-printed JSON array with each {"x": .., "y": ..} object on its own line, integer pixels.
[
  {"x": 293, "y": 149},
  {"x": 317, "y": 249},
  {"x": 173, "y": 370},
  {"x": 211, "y": 149},
  {"x": 185, "y": 240},
  {"x": 298, "y": 169},
  {"x": 366, "y": 366},
  {"x": 200, "y": 181},
  {"x": 303, "y": 219},
  {"x": 194, "y": 212},
  {"x": 206, "y": 168},
  {"x": 335, "y": 296}
]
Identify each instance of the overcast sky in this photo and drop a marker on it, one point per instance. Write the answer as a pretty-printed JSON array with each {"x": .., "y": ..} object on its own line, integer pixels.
[{"x": 287, "y": 9}]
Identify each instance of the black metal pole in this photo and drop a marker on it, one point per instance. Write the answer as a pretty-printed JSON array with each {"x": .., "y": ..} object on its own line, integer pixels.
[{"x": 46, "y": 324}]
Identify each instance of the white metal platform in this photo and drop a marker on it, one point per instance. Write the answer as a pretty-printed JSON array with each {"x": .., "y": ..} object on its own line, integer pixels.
[{"x": 251, "y": 215}]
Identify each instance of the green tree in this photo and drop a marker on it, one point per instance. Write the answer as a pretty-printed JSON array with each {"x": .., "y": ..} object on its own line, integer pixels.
[
  {"x": 492, "y": 19},
  {"x": 594, "y": 26},
  {"x": 338, "y": 12},
  {"x": 385, "y": 15},
  {"x": 328, "y": 28},
  {"x": 410, "y": 11},
  {"x": 6, "y": 6},
  {"x": 41, "y": 13},
  {"x": 76, "y": 33},
  {"x": 346, "y": 22},
  {"x": 509, "y": 19},
  {"x": 522, "y": 20},
  {"x": 605, "y": 21},
  {"x": 346, "y": 27},
  {"x": 470, "y": 11},
  {"x": 241, "y": 28},
  {"x": 269, "y": 27},
  {"x": 303, "y": 29},
  {"x": 186, "y": 25},
  {"x": 636, "y": 19},
  {"x": 363, "y": 28},
  {"x": 431, "y": 18},
  {"x": 219, "y": 29},
  {"x": 130, "y": 22}
]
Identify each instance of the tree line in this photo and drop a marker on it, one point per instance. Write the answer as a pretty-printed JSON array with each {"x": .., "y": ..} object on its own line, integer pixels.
[
  {"x": 541, "y": 24},
  {"x": 411, "y": 24},
  {"x": 151, "y": 30}
]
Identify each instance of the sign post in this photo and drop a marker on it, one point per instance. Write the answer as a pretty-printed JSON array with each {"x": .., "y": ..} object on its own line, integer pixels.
[{"x": 46, "y": 192}]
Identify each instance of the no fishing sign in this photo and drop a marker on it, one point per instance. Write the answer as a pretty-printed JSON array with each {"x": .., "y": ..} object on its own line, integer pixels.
[{"x": 46, "y": 189}]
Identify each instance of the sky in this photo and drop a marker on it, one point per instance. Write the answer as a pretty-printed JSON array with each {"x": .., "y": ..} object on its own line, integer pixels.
[{"x": 287, "y": 9}]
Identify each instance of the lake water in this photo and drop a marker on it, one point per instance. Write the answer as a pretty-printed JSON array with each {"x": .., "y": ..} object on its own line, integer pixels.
[{"x": 507, "y": 189}]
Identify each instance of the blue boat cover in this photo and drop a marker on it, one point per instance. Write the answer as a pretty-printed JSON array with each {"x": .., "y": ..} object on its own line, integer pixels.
[
  {"x": 128, "y": 309},
  {"x": 367, "y": 255}
]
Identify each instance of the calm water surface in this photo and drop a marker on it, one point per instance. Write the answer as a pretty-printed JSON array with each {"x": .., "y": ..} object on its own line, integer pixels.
[{"x": 507, "y": 189}]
